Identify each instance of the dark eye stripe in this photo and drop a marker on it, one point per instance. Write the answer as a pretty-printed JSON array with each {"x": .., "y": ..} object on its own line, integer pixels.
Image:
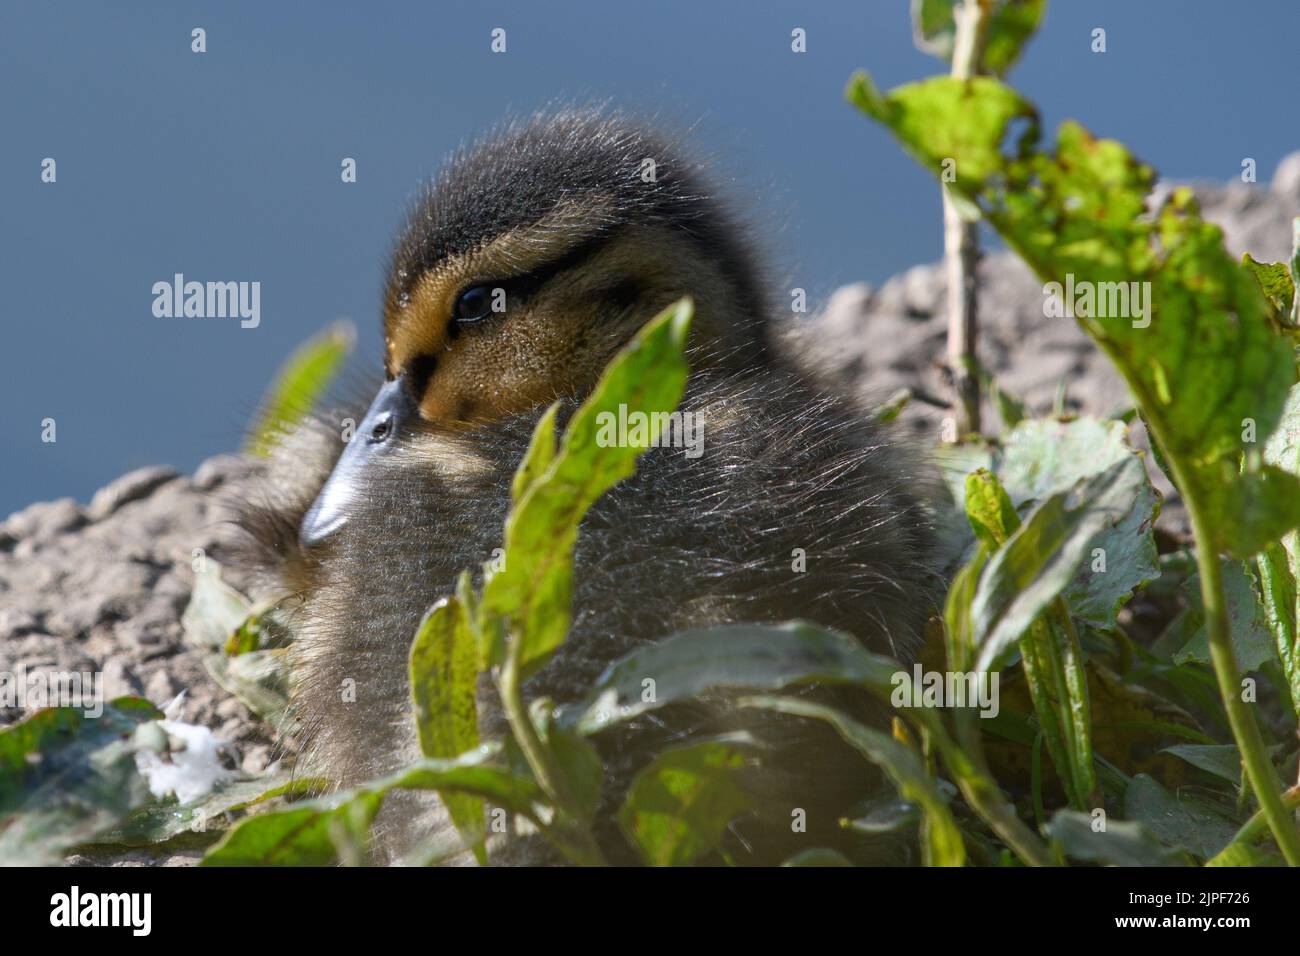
[
  {"x": 418, "y": 372},
  {"x": 526, "y": 284}
]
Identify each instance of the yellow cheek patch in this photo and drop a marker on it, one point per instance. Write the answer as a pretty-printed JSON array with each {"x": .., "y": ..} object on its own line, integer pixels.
[{"x": 418, "y": 323}]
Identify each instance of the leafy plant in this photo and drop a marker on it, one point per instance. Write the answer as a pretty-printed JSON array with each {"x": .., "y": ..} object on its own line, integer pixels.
[{"x": 1076, "y": 215}]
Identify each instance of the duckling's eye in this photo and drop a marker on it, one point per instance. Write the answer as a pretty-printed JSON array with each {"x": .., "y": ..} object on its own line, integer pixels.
[{"x": 474, "y": 303}]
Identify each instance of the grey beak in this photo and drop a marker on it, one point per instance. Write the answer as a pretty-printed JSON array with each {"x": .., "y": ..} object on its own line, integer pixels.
[{"x": 389, "y": 414}]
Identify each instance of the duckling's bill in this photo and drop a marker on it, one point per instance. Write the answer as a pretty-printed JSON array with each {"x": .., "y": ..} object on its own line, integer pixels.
[{"x": 391, "y": 413}]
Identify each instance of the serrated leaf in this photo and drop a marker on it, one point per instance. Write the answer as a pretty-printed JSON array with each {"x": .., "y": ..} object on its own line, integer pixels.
[
  {"x": 922, "y": 116},
  {"x": 1196, "y": 328},
  {"x": 1274, "y": 279},
  {"x": 1045, "y": 456}
]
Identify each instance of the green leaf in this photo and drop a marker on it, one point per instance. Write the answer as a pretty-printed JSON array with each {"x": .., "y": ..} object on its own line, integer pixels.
[
  {"x": 1243, "y": 854},
  {"x": 1278, "y": 565},
  {"x": 215, "y": 611},
  {"x": 540, "y": 455},
  {"x": 939, "y": 833},
  {"x": 1183, "y": 820},
  {"x": 444, "y": 679},
  {"x": 1222, "y": 760},
  {"x": 882, "y": 814},
  {"x": 679, "y": 807},
  {"x": 959, "y": 630},
  {"x": 246, "y": 638},
  {"x": 163, "y": 821},
  {"x": 1040, "y": 559},
  {"x": 1252, "y": 644},
  {"x": 1045, "y": 456},
  {"x": 1184, "y": 323},
  {"x": 1274, "y": 279},
  {"x": 738, "y": 656},
  {"x": 470, "y": 773},
  {"x": 260, "y": 679},
  {"x": 575, "y": 759},
  {"x": 66, "y": 777},
  {"x": 988, "y": 508},
  {"x": 535, "y": 590},
  {"x": 299, "y": 384},
  {"x": 1011, "y": 24},
  {"x": 924, "y": 118},
  {"x": 306, "y": 834},
  {"x": 1120, "y": 844}
]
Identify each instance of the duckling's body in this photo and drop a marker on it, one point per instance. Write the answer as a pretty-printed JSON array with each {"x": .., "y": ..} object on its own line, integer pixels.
[{"x": 795, "y": 509}]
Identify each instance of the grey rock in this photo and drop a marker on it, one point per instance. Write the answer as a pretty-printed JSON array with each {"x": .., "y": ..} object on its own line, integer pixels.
[
  {"x": 218, "y": 470},
  {"x": 1286, "y": 181},
  {"x": 44, "y": 520},
  {"x": 130, "y": 487},
  {"x": 120, "y": 680}
]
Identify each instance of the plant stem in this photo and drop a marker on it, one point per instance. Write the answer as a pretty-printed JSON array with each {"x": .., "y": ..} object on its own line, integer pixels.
[
  {"x": 577, "y": 840},
  {"x": 1078, "y": 706},
  {"x": 961, "y": 244},
  {"x": 1263, "y": 779},
  {"x": 1254, "y": 828},
  {"x": 966, "y": 762},
  {"x": 1046, "y": 693}
]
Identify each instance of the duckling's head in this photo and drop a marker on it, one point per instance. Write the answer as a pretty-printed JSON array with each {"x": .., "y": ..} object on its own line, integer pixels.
[{"x": 529, "y": 261}]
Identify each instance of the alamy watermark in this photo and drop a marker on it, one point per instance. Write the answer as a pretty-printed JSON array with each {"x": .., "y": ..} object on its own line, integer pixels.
[
  {"x": 38, "y": 689},
  {"x": 923, "y": 688},
  {"x": 209, "y": 300},
  {"x": 651, "y": 429},
  {"x": 1098, "y": 300}
]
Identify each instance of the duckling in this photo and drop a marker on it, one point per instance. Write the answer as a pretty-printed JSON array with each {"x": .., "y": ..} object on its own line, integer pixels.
[{"x": 531, "y": 259}]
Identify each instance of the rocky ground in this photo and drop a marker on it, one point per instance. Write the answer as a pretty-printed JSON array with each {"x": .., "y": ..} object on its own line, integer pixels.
[{"x": 101, "y": 587}]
